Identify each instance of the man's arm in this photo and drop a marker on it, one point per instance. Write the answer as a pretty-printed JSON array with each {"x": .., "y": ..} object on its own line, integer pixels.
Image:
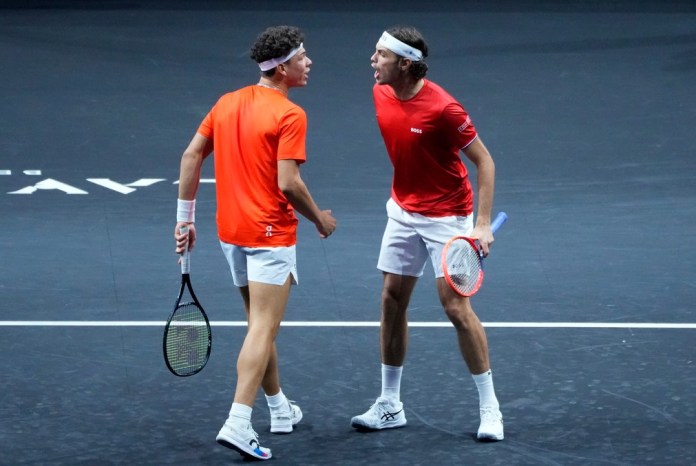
[
  {"x": 189, "y": 177},
  {"x": 191, "y": 162},
  {"x": 485, "y": 176},
  {"x": 293, "y": 187}
]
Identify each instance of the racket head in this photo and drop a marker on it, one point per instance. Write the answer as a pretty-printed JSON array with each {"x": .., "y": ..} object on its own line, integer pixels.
[
  {"x": 187, "y": 339},
  {"x": 462, "y": 265}
]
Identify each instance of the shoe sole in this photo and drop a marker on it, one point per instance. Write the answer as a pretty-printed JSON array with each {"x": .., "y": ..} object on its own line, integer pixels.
[
  {"x": 282, "y": 429},
  {"x": 489, "y": 438},
  {"x": 229, "y": 443}
]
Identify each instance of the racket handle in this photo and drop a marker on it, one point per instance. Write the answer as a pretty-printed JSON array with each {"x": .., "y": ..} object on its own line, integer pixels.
[
  {"x": 185, "y": 254},
  {"x": 498, "y": 222}
]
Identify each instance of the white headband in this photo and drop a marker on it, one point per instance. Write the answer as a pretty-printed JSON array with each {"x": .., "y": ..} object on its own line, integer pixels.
[
  {"x": 400, "y": 48},
  {"x": 273, "y": 62}
]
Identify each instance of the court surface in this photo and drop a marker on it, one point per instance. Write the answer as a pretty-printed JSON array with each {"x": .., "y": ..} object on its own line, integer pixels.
[{"x": 588, "y": 109}]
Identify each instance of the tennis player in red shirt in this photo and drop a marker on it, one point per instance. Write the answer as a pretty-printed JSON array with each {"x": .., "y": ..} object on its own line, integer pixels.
[
  {"x": 424, "y": 130},
  {"x": 258, "y": 137}
]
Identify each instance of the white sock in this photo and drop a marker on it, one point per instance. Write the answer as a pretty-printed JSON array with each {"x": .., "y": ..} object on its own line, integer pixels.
[
  {"x": 240, "y": 414},
  {"x": 391, "y": 382},
  {"x": 484, "y": 383},
  {"x": 277, "y": 401}
]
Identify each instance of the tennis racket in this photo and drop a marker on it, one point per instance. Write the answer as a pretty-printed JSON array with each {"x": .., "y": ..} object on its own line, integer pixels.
[
  {"x": 187, "y": 335},
  {"x": 462, "y": 261}
]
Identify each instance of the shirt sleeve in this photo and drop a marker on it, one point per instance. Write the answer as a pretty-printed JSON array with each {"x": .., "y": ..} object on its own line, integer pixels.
[
  {"x": 206, "y": 127},
  {"x": 293, "y": 135},
  {"x": 458, "y": 126}
]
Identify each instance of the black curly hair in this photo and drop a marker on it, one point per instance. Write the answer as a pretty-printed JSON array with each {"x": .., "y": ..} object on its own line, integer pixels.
[
  {"x": 414, "y": 38},
  {"x": 274, "y": 42}
]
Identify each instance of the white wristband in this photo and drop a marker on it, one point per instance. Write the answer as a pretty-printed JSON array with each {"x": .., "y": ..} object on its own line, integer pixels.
[{"x": 185, "y": 211}]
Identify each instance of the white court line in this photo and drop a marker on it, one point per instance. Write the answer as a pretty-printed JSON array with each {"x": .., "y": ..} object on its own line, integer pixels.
[{"x": 141, "y": 323}]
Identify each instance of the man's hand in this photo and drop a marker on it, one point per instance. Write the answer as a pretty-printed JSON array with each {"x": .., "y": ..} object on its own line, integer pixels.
[
  {"x": 182, "y": 238},
  {"x": 326, "y": 223}
]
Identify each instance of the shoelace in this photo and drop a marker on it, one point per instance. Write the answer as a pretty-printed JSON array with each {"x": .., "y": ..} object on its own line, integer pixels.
[
  {"x": 490, "y": 414},
  {"x": 379, "y": 408},
  {"x": 256, "y": 436}
]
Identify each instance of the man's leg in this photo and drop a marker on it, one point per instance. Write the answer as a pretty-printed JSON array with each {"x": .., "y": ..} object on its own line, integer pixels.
[
  {"x": 387, "y": 411},
  {"x": 396, "y": 294},
  {"x": 265, "y": 306},
  {"x": 285, "y": 414},
  {"x": 470, "y": 333},
  {"x": 473, "y": 346},
  {"x": 257, "y": 361},
  {"x": 271, "y": 378}
]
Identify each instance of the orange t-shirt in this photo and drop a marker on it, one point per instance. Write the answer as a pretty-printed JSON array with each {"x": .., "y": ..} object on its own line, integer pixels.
[{"x": 252, "y": 129}]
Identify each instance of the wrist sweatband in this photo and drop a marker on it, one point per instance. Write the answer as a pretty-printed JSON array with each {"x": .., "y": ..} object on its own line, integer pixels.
[{"x": 185, "y": 211}]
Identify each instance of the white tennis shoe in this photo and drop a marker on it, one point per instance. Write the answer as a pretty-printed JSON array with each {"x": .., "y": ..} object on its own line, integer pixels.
[
  {"x": 491, "y": 427},
  {"x": 243, "y": 439},
  {"x": 383, "y": 414},
  {"x": 284, "y": 420}
]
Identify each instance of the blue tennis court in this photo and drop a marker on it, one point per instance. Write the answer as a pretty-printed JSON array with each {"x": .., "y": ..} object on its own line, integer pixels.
[{"x": 588, "y": 303}]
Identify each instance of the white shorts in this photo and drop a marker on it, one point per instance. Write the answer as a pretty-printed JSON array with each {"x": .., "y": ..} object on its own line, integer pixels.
[
  {"x": 263, "y": 265},
  {"x": 409, "y": 239}
]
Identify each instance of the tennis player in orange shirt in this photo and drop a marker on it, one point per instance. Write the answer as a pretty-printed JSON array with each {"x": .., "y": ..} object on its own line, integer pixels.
[{"x": 258, "y": 137}]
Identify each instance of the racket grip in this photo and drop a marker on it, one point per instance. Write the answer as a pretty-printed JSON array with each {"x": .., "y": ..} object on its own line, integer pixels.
[
  {"x": 185, "y": 254},
  {"x": 498, "y": 222}
]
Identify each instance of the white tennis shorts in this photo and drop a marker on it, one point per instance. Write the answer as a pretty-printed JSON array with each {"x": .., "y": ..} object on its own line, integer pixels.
[
  {"x": 409, "y": 239},
  {"x": 264, "y": 265}
]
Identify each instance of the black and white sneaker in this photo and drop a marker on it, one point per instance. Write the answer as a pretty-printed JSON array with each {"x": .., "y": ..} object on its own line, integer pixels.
[{"x": 383, "y": 414}]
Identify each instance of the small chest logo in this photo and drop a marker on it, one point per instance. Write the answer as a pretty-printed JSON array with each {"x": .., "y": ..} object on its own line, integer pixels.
[{"x": 417, "y": 130}]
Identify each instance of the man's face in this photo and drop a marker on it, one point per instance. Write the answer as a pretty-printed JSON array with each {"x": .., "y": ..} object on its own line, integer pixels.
[
  {"x": 386, "y": 65},
  {"x": 297, "y": 69}
]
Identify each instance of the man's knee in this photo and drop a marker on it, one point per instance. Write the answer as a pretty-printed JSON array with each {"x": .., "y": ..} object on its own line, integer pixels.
[{"x": 461, "y": 315}]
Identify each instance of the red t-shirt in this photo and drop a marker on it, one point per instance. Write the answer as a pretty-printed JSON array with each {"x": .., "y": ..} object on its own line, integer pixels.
[
  {"x": 252, "y": 129},
  {"x": 423, "y": 137}
]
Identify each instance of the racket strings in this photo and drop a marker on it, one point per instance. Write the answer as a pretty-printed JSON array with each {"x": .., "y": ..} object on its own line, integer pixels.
[
  {"x": 463, "y": 266},
  {"x": 188, "y": 340}
]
